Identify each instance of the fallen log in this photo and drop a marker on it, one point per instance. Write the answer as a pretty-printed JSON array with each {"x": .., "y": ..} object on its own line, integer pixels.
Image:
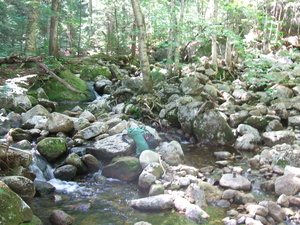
[{"x": 43, "y": 66}]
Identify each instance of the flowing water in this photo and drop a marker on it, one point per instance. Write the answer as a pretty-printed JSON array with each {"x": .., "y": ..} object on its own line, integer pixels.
[{"x": 103, "y": 203}]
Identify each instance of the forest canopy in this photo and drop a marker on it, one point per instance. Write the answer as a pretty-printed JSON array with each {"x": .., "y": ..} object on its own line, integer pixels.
[{"x": 109, "y": 26}]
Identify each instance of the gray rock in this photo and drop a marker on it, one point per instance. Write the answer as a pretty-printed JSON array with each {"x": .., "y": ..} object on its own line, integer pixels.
[
  {"x": 157, "y": 202},
  {"x": 243, "y": 129},
  {"x": 257, "y": 209},
  {"x": 23, "y": 186},
  {"x": 246, "y": 142},
  {"x": 75, "y": 160},
  {"x": 37, "y": 110},
  {"x": 287, "y": 184},
  {"x": 210, "y": 127},
  {"x": 148, "y": 157},
  {"x": 281, "y": 91},
  {"x": 278, "y": 137},
  {"x": 91, "y": 162},
  {"x": 66, "y": 172},
  {"x": 156, "y": 189},
  {"x": 237, "y": 118},
  {"x": 149, "y": 175},
  {"x": 59, "y": 217},
  {"x": 58, "y": 122},
  {"x": 124, "y": 168},
  {"x": 223, "y": 155},
  {"x": 43, "y": 188},
  {"x": 237, "y": 182},
  {"x": 294, "y": 121},
  {"x": 195, "y": 213},
  {"x": 275, "y": 211},
  {"x": 171, "y": 153},
  {"x": 14, "y": 209},
  {"x": 191, "y": 86},
  {"x": 94, "y": 130},
  {"x": 81, "y": 123},
  {"x": 112, "y": 146},
  {"x": 274, "y": 125},
  {"x": 195, "y": 194},
  {"x": 87, "y": 115}
]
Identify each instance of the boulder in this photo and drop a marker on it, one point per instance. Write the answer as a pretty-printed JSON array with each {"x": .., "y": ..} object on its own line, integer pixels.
[
  {"x": 43, "y": 187},
  {"x": 52, "y": 148},
  {"x": 157, "y": 202},
  {"x": 88, "y": 115},
  {"x": 171, "y": 153},
  {"x": 148, "y": 157},
  {"x": 19, "y": 134},
  {"x": 210, "y": 127},
  {"x": 59, "y": 217},
  {"x": 14, "y": 209},
  {"x": 58, "y": 122},
  {"x": 196, "y": 195},
  {"x": 23, "y": 186},
  {"x": 294, "y": 121},
  {"x": 66, "y": 172},
  {"x": 75, "y": 160},
  {"x": 191, "y": 86},
  {"x": 275, "y": 211},
  {"x": 124, "y": 168},
  {"x": 236, "y": 182},
  {"x": 112, "y": 146},
  {"x": 278, "y": 137},
  {"x": 195, "y": 213},
  {"x": 94, "y": 130},
  {"x": 149, "y": 175},
  {"x": 288, "y": 184}
]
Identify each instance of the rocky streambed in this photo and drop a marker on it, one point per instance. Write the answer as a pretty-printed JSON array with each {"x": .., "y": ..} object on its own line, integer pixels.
[{"x": 255, "y": 183}]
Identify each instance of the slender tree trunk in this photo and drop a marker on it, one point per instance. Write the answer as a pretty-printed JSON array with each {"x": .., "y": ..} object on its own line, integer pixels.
[
  {"x": 133, "y": 42},
  {"x": 90, "y": 22},
  {"x": 173, "y": 24},
  {"x": 33, "y": 16},
  {"x": 80, "y": 22},
  {"x": 214, "y": 46},
  {"x": 178, "y": 39},
  {"x": 144, "y": 61},
  {"x": 53, "y": 45}
]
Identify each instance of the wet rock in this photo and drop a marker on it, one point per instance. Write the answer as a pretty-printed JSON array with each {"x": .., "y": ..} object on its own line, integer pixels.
[
  {"x": 157, "y": 202},
  {"x": 171, "y": 153},
  {"x": 23, "y": 186},
  {"x": 14, "y": 209},
  {"x": 112, "y": 146},
  {"x": 236, "y": 182},
  {"x": 52, "y": 148},
  {"x": 59, "y": 217},
  {"x": 223, "y": 155},
  {"x": 278, "y": 137},
  {"x": 66, "y": 172},
  {"x": 75, "y": 160},
  {"x": 125, "y": 168},
  {"x": 43, "y": 187},
  {"x": 92, "y": 163},
  {"x": 58, "y": 122},
  {"x": 287, "y": 184}
]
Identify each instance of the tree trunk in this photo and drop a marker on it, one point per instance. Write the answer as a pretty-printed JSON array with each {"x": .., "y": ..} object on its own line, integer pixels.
[
  {"x": 214, "y": 46},
  {"x": 144, "y": 61},
  {"x": 53, "y": 42},
  {"x": 178, "y": 39},
  {"x": 173, "y": 24},
  {"x": 33, "y": 16},
  {"x": 80, "y": 22}
]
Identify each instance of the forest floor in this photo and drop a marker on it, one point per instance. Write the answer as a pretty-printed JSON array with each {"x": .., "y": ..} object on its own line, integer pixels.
[{"x": 16, "y": 70}]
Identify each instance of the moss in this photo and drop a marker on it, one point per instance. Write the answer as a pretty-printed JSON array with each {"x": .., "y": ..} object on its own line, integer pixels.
[
  {"x": 52, "y": 148},
  {"x": 90, "y": 72},
  {"x": 56, "y": 91},
  {"x": 282, "y": 163}
]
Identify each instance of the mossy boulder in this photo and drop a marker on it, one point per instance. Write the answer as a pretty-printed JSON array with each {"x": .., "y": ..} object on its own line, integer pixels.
[
  {"x": 13, "y": 209},
  {"x": 125, "y": 168},
  {"x": 52, "y": 148},
  {"x": 90, "y": 72},
  {"x": 56, "y": 91}
]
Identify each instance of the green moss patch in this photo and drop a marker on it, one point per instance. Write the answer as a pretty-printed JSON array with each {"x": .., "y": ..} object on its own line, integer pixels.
[{"x": 56, "y": 91}]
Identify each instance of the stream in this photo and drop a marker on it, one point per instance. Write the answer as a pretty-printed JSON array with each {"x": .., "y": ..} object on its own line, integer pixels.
[{"x": 99, "y": 203}]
